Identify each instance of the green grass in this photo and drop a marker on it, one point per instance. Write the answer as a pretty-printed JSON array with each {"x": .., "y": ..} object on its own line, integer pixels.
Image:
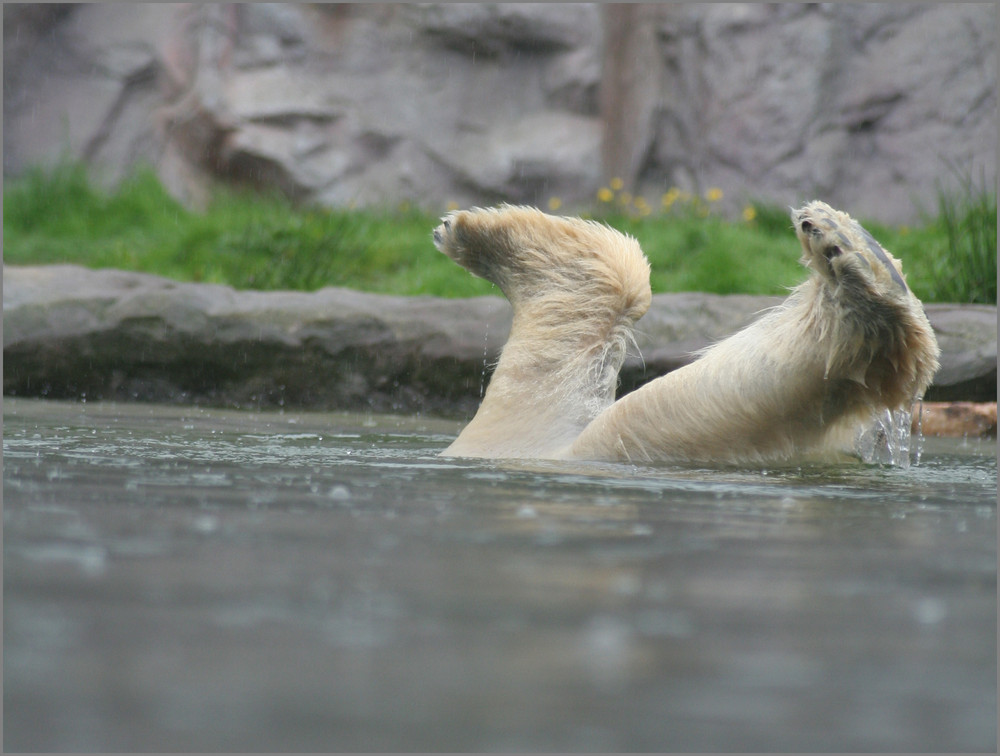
[
  {"x": 711, "y": 254},
  {"x": 251, "y": 241},
  {"x": 965, "y": 269},
  {"x": 244, "y": 240}
]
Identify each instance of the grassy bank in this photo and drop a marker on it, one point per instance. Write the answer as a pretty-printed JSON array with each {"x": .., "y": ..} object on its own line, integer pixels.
[{"x": 249, "y": 241}]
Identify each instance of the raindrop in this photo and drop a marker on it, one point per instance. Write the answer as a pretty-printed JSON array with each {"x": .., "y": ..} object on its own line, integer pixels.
[
  {"x": 339, "y": 492},
  {"x": 486, "y": 349},
  {"x": 930, "y": 611},
  {"x": 206, "y": 524}
]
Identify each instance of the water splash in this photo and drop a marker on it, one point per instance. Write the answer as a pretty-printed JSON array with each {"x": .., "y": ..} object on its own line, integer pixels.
[
  {"x": 918, "y": 441},
  {"x": 887, "y": 440},
  {"x": 486, "y": 351}
]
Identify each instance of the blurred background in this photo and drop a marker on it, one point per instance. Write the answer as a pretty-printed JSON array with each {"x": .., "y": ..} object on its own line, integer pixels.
[{"x": 876, "y": 108}]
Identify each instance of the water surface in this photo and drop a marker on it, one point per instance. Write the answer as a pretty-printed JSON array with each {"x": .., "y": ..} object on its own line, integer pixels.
[{"x": 189, "y": 579}]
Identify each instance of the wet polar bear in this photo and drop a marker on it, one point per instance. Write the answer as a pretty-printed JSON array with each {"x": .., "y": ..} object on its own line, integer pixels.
[{"x": 800, "y": 382}]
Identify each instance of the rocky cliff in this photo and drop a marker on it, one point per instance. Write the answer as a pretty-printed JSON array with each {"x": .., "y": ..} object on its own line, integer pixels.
[{"x": 868, "y": 106}]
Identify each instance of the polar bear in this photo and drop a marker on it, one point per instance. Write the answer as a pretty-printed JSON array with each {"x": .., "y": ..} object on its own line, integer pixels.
[{"x": 799, "y": 383}]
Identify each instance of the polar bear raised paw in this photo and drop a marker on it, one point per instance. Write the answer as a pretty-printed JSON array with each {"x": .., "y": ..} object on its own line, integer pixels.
[
  {"x": 840, "y": 248},
  {"x": 876, "y": 322}
]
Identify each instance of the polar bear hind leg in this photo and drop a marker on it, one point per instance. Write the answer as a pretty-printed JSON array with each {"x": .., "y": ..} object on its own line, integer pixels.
[{"x": 576, "y": 288}]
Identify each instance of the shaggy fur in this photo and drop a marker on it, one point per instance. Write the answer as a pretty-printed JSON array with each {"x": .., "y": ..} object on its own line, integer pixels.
[
  {"x": 800, "y": 382},
  {"x": 576, "y": 288}
]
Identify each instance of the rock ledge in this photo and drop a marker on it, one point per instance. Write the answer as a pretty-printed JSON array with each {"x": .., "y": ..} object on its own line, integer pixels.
[{"x": 72, "y": 332}]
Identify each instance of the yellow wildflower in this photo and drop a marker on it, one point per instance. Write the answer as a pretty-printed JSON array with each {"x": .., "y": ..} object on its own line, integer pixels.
[
  {"x": 713, "y": 194},
  {"x": 554, "y": 203},
  {"x": 617, "y": 184},
  {"x": 605, "y": 195},
  {"x": 749, "y": 213}
]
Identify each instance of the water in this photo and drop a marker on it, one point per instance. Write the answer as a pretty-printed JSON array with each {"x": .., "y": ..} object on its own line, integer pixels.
[
  {"x": 486, "y": 351},
  {"x": 887, "y": 441},
  {"x": 185, "y": 579}
]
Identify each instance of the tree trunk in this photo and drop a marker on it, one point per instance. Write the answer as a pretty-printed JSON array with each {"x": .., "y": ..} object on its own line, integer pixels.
[{"x": 629, "y": 89}]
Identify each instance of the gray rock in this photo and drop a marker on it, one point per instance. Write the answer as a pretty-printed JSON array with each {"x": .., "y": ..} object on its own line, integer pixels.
[
  {"x": 967, "y": 335},
  {"x": 74, "y": 332},
  {"x": 475, "y": 104},
  {"x": 71, "y": 332},
  {"x": 497, "y": 28},
  {"x": 542, "y": 155}
]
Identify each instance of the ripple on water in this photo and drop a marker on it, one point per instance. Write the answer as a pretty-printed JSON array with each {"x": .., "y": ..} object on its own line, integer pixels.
[
  {"x": 342, "y": 554},
  {"x": 249, "y": 452}
]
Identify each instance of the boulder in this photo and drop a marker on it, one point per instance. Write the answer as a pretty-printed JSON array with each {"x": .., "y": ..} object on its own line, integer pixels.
[
  {"x": 967, "y": 335},
  {"x": 72, "y": 332}
]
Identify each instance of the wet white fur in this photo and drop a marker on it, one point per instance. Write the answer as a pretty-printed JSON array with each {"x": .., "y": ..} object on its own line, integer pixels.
[{"x": 798, "y": 383}]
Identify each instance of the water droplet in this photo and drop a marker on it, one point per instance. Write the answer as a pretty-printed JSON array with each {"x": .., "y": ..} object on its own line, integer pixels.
[
  {"x": 486, "y": 349},
  {"x": 930, "y": 611},
  {"x": 606, "y": 642},
  {"x": 206, "y": 524},
  {"x": 339, "y": 492}
]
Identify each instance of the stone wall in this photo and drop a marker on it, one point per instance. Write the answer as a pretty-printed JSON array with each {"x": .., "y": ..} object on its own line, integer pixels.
[{"x": 871, "y": 107}]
